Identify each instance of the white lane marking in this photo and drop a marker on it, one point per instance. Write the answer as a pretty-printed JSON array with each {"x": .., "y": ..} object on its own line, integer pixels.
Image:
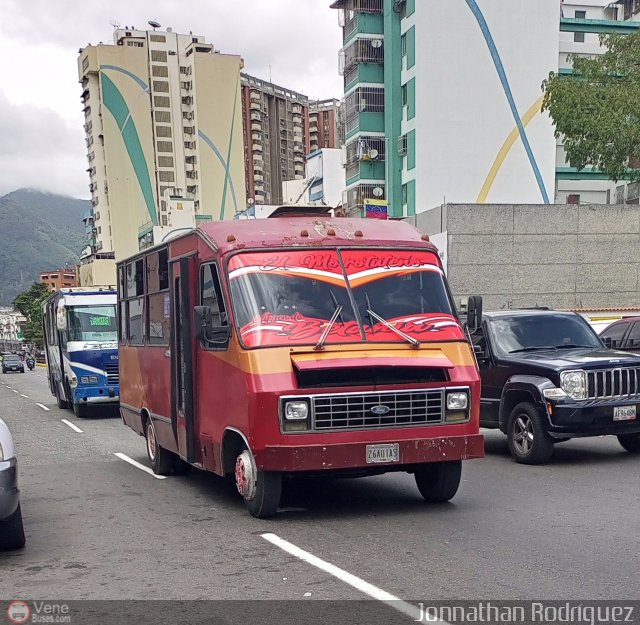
[
  {"x": 136, "y": 464},
  {"x": 14, "y": 390},
  {"x": 42, "y": 406},
  {"x": 25, "y": 396},
  {"x": 73, "y": 426},
  {"x": 366, "y": 588}
]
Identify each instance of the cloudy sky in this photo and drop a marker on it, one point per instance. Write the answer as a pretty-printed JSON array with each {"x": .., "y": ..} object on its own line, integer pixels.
[{"x": 41, "y": 136}]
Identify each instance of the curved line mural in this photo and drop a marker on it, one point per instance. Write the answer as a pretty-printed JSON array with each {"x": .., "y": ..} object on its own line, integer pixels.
[
  {"x": 219, "y": 156},
  {"x": 502, "y": 75},
  {"x": 505, "y": 149},
  {"x": 145, "y": 87},
  {"x": 117, "y": 106}
]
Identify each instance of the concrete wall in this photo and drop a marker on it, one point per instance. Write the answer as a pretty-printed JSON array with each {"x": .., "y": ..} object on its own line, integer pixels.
[{"x": 563, "y": 256}]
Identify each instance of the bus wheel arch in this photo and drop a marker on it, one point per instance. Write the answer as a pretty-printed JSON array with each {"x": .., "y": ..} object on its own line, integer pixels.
[
  {"x": 261, "y": 490},
  {"x": 161, "y": 459}
]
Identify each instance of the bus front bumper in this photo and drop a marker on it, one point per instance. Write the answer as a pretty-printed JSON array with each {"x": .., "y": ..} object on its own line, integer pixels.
[
  {"x": 347, "y": 456},
  {"x": 96, "y": 395}
]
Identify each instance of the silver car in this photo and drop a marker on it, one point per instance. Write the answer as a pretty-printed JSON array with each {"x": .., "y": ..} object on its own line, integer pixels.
[{"x": 11, "y": 529}]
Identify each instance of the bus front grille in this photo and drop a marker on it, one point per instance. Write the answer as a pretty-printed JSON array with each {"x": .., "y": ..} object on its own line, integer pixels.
[
  {"x": 113, "y": 376},
  {"x": 351, "y": 411}
]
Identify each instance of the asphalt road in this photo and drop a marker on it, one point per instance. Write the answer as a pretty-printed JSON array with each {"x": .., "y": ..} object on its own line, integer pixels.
[{"x": 100, "y": 528}]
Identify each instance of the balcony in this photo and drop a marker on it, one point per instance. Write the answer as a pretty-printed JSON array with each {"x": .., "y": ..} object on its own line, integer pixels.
[
  {"x": 256, "y": 147},
  {"x": 256, "y": 127},
  {"x": 258, "y": 178},
  {"x": 361, "y": 50},
  {"x": 255, "y": 106}
]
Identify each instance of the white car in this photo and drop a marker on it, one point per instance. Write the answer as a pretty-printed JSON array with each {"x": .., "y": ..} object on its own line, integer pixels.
[{"x": 11, "y": 529}]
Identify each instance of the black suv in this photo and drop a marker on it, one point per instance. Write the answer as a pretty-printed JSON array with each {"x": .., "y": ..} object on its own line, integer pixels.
[{"x": 547, "y": 377}]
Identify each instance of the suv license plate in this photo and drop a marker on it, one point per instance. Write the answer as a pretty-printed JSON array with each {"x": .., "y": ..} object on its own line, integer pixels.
[
  {"x": 383, "y": 453},
  {"x": 624, "y": 413}
]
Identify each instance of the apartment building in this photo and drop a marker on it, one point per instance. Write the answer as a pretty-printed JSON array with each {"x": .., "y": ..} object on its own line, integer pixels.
[
  {"x": 163, "y": 123},
  {"x": 59, "y": 278},
  {"x": 434, "y": 97},
  {"x": 280, "y": 128}
]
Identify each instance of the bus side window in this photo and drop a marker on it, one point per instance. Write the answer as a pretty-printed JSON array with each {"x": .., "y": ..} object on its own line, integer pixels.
[{"x": 211, "y": 294}]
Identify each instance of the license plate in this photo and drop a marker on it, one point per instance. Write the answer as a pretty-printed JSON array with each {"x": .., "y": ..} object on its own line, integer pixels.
[
  {"x": 624, "y": 413},
  {"x": 389, "y": 452}
]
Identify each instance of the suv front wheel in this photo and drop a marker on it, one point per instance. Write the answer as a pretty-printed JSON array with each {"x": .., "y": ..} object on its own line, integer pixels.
[{"x": 529, "y": 442}]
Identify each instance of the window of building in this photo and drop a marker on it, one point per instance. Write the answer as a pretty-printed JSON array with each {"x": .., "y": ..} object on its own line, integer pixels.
[
  {"x": 162, "y": 86},
  {"x": 166, "y": 176},
  {"x": 163, "y": 131},
  {"x": 403, "y": 41},
  {"x": 158, "y": 38},
  {"x": 578, "y": 37},
  {"x": 159, "y": 56},
  {"x": 573, "y": 198},
  {"x": 163, "y": 117},
  {"x": 405, "y": 95},
  {"x": 405, "y": 194},
  {"x": 161, "y": 71},
  {"x": 162, "y": 101},
  {"x": 165, "y": 161},
  {"x": 581, "y": 15},
  {"x": 165, "y": 146}
]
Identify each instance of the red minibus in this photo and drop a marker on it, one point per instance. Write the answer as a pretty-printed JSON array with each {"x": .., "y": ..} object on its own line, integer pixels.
[{"x": 298, "y": 344}]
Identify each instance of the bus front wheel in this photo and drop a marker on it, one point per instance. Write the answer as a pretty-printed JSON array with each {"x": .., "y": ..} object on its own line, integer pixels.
[
  {"x": 162, "y": 460},
  {"x": 439, "y": 481},
  {"x": 261, "y": 490}
]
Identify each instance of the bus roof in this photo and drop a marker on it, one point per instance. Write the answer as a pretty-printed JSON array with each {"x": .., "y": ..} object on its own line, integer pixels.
[{"x": 315, "y": 231}]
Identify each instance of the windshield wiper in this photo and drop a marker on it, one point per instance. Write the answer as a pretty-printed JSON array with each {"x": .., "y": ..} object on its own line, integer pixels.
[
  {"x": 336, "y": 313},
  {"x": 574, "y": 346},
  {"x": 413, "y": 342},
  {"x": 531, "y": 349}
]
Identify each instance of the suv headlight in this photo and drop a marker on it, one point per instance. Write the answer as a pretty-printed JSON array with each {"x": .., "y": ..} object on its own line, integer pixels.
[{"x": 574, "y": 384}]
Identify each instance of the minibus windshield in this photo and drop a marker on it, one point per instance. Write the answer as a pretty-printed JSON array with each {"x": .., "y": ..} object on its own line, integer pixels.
[
  {"x": 92, "y": 323},
  {"x": 289, "y": 297}
]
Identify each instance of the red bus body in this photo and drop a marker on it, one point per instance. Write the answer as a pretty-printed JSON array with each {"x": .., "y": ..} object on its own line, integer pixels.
[{"x": 210, "y": 401}]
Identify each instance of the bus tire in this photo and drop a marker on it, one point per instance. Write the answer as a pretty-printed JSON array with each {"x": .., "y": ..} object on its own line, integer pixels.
[
  {"x": 438, "y": 481},
  {"x": 261, "y": 490},
  {"x": 81, "y": 410},
  {"x": 61, "y": 402},
  {"x": 162, "y": 460},
  {"x": 12, "y": 531}
]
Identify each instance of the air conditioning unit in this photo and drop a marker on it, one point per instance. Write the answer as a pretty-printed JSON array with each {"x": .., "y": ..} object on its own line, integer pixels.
[{"x": 402, "y": 145}]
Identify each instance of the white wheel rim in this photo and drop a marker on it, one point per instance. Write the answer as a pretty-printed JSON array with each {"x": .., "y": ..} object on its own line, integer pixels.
[{"x": 151, "y": 441}]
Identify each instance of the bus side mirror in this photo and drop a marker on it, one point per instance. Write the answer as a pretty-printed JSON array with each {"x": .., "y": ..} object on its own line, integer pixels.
[
  {"x": 204, "y": 328},
  {"x": 474, "y": 313},
  {"x": 61, "y": 318}
]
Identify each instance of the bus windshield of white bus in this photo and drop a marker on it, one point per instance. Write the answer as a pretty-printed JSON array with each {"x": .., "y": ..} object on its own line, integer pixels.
[{"x": 92, "y": 323}]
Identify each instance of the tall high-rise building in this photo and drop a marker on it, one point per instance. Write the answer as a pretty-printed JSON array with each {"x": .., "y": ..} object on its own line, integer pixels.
[
  {"x": 280, "y": 128},
  {"x": 163, "y": 122}
]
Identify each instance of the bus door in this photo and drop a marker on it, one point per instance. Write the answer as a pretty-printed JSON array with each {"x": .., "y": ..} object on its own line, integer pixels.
[{"x": 183, "y": 282}]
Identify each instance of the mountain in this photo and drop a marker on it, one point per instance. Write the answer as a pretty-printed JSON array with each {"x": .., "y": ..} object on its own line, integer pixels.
[{"x": 38, "y": 232}]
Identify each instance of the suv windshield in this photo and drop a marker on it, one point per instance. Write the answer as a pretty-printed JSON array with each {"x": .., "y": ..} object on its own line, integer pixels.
[
  {"x": 92, "y": 323},
  {"x": 288, "y": 297},
  {"x": 521, "y": 333}
]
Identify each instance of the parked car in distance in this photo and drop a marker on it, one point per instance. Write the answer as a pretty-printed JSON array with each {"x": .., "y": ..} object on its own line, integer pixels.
[
  {"x": 547, "y": 377},
  {"x": 11, "y": 528},
  {"x": 623, "y": 334},
  {"x": 12, "y": 362}
]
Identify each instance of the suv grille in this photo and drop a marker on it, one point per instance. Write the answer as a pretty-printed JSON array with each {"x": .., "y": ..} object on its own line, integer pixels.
[
  {"x": 113, "y": 376},
  {"x": 354, "y": 411},
  {"x": 609, "y": 383}
]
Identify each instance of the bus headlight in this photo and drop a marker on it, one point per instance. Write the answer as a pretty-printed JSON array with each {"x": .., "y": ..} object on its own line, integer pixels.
[
  {"x": 296, "y": 411},
  {"x": 457, "y": 401},
  {"x": 89, "y": 379}
]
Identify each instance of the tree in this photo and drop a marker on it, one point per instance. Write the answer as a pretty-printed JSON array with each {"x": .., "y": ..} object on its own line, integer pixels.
[
  {"x": 29, "y": 303},
  {"x": 597, "y": 109}
]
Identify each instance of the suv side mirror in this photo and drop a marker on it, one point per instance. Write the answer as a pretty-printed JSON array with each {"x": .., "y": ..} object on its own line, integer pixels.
[
  {"x": 205, "y": 330},
  {"x": 474, "y": 313}
]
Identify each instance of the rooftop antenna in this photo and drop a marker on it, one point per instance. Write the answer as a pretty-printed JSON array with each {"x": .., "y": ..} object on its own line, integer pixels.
[
  {"x": 115, "y": 24},
  {"x": 153, "y": 24}
]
